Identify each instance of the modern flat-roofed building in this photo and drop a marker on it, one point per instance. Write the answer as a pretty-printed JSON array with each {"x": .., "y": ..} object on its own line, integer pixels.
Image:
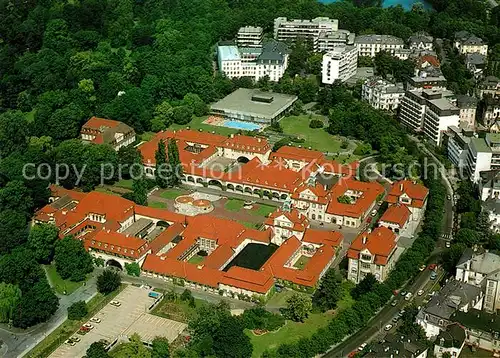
[
  {"x": 439, "y": 115},
  {"x": 457, "y": 146},
  {"x": 478, "y": 158},
  {"x": 370, "y": 45},
  {"x": 412, "y": 110},
  {"x": 327, "y": 41},
  {"x": 433, "y": 79},
  {"x": 339, "y": 64},
  {"x": 291, "y": 30},
  {"x": 253, "y": 105},
  {"x": 382, "y": 94},
  {"x": 250, "y": 36}
]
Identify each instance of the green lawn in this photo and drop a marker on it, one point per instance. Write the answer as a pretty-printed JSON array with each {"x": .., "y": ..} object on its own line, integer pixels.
[
  {"x": 251, "y": 225},
  {"x": 263, "y": 210},
  {"x": 125, "y": 183},
  {"x": 196, "y": 123},
  {"x": 58, "y": 283},
  {"x": 316, "y": 138},
  {"x": 293, "y": 331},
  {"x": 146, "y": 136},
  {"x": 290, "y": 332},
  {"x": 172, "y": 193},
  {"x": 301, "y": 262},
  {"x": 69, "y": 327},
  {"x": 105, "y": 190},
  {"x": 177, "y": 310},
  {"x": 234, "y": 204},
  {"x": 157, "y": 204},
  {"x": 196, "y": 259}
]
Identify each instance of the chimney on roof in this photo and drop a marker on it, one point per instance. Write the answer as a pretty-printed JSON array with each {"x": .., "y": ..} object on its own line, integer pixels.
[
  {"x": 199, "y": 267},
  {"x": 162, "y": 258},
  {"x": 401, "y": 186},
  {"x": 259, "y": 139},
  {"x": 365, "y": 238},
  {"x": 108, "y": 231},
  {"x": 232, "y": 135},
  {"x": 300, "y": 146},
  {"x": 64, "y": 212}
]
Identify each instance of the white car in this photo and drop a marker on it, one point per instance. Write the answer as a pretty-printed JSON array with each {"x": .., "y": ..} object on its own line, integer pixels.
[
  {"x": 361, "y": 347},
  {"x": 388, "y": 327},
  {"x": 70, "y": 342},
  {"x": 75, "y": 339},
  {"x": 95, "y": 320},
  {"x": 116, "y": 303},
  {"x": 420, "y": 292},
  {"x": 408, "y": 296},
  {"x": 374, "y": 212},
  {"x": 88, "y": 326},
  {"x": 447, "y": 244}
]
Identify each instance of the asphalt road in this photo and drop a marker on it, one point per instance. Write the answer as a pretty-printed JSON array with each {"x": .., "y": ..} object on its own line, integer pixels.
[{"x": 19, "y": 342}]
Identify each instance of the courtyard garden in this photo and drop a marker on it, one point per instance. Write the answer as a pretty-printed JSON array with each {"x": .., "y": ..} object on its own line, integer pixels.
[
  {"x": 253, "y": 256},
  {"x": 302, "y": 262},
  {"x": 236, "y": 205},
  {"x": 172, "y": 193}
]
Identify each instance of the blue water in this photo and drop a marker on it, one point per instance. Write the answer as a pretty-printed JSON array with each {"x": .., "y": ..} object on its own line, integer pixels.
[
  {"x": 241, "y": 125},
  {"x": 406, "y": 4}
]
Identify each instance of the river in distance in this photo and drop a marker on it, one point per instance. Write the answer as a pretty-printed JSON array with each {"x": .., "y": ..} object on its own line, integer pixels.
[{"x": 406, "y": 4}]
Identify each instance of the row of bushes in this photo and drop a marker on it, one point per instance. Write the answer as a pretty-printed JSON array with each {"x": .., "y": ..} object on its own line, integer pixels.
[{"x": 351, "y": 319}]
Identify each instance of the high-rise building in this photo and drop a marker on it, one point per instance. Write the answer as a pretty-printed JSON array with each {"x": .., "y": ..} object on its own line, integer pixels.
[{"x": 339, "y": 64}]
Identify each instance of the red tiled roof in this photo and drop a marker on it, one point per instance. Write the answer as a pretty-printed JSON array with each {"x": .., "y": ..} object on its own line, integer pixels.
[
  {"x": 218, "y": 257},
  {"x": 271, "y": 176},
  {"x": 298, "y": 154},
  {"x": 369, "y": 192},
  {"x": 432, "y": 60},
  {"x": 117, "y": 243},
  {"x": 380, "y": 242},
  {"x": 397, "y": 214},
  {"x": 323, "y": 237},
  {"x": 166, "y": 237},
  {"x": 98, "y": 123},
  {"x": 247, "y": 144},
  {"x": 300, "y": 221},
  {"x": 255, "y": 281},
  {"x": 334, "y": 167},
  {"x": 112, "y": 206},
  {"x": 417, "y": 193},
  {"x": 59, "y": 191}
]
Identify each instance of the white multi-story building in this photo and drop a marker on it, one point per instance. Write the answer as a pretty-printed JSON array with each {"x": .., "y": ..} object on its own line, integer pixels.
[
  {"x": 270, "y": 60},
  {"x": 370, "y": 45},
  {"x": 481, "y": 270},
  {"x": 457, "y": 146},
  {"x": 339, "y": 64},
  {"x": 467, "y": 106},
  {"x": 429, "y": 111},
  {"x": 382, "y": 94},
  {"x": 489, "y": 185},
  {"x": 465, "y": 42},
  {"x": 440, "y": 114},
  {"x": 291, "y": 30},
  {"x": 478, "y": 158},
  {"x": 250, "y": 36}
]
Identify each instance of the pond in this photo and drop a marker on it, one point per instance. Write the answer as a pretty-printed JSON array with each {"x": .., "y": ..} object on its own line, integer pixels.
[{"x": 407, "y": 4}]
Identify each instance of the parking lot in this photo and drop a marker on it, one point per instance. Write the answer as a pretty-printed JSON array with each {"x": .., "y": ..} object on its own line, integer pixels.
[{"x": 119, "y": 322}]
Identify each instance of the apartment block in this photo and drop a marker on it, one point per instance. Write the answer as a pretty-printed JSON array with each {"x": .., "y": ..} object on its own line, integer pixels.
[
  {"x": 370, "y": 45},
  {"x": 382, "y": 94},
  {"x": 291, "y": 30},
  {"x": 339, "y": 64},
  {"x": 250, "y": 36},
  {"x": 420, "y": 42},
  {"x": 465, "y": 42},
  {"x": 468, "y": 107},
  {"x": 328, "y": 41}
]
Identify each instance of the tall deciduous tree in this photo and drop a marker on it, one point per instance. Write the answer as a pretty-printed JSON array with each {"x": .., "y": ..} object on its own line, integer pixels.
[
  {"x": 161, "y": 348},
  {"x": 329, "y": 291},
  {"x": 36, "y": 305},
  {"x": 72, "y": 260},
  {"x": 364, "y": 286},
  {"x": 13, "y": 132},
  {"x": 42, "y": 241},
  {"x": 13, "y": 230},
  {"x": 97, "y": 350},
  {"x": 298, "y": 307}
]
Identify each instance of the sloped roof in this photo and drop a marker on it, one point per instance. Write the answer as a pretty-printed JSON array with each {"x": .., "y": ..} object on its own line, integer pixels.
[
  {"x": 417, "y": 192},
  {"x": 396, "y": 214},
  {"x": 380, "y": 242},
  {"x": 369, "y": 192}
]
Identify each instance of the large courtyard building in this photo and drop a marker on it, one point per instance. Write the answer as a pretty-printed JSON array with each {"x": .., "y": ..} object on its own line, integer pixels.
[
  {"x": 339, "y": 64},
  {"x": 253, "y": 105},
  {"x": 269, "y": 59},
  {"x": 106, "y": 131}
]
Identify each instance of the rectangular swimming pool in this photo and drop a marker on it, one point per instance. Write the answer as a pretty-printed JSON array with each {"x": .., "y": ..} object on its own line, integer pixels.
[{"x": 247, "y": 126}]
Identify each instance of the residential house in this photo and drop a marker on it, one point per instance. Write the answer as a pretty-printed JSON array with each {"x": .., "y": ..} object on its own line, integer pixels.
[
  {"x": 411, "y": 194},
  {"x": 451, "y": 341},
  {"x": 382, "y": 94},
  {"x": 370, "y": 45},
  {"x": 465, "y": 43},
  {"x": 398, "y": 346},
  {"x": 421, "y": 41},
  {"x": 106, "y": 131},
  {"x": 482, "y": 329}
]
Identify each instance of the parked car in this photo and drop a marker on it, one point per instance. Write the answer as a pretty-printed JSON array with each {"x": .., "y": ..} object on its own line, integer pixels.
[
  {"x": 422, "y": 268},
  {"x": 448, "y": 197},
  {"x": 395, "y": 319},
  {"x": 433, "y": 275},
  {"x": 116, "y": 303},
  {"x": 447, "y": 244},
  {"x": 432, "y": 267},
  {"x": 75, "y": 339},
  {"x": 402, "y": 312},
  {"x": 388, "y": 327},
  {"x": 403, "y": 293},
  {"x": 394, "y": 303},
  {"x": 87, "y": 326},
  {"x": 420, "y": 292},
  {"x": 95, "y": 320},
  {"x": 362, "y": 346},
  {"x": 70, "y": 342},
  {"x": 408, "y": 296},
  {"x": 374, "y": 212}
]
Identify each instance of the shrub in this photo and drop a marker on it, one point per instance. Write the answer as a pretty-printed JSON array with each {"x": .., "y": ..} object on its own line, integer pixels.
[
  {"x": 316, "y": 123},
  {"x": 108, "y": 281},
  {"x": 77, "y": 310},
  {"x": 259, "y": 318},
  {"x": 133, "y": 269},
  {"x": 344, "y": 144}
]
